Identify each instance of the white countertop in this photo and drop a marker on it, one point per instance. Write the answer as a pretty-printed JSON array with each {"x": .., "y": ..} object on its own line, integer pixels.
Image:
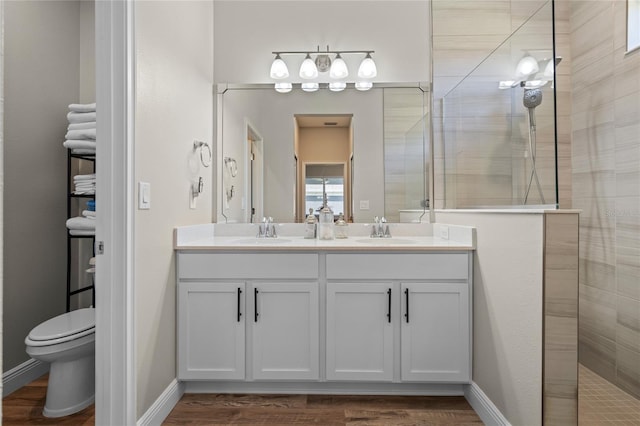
[{"x": 406, "y": 237}]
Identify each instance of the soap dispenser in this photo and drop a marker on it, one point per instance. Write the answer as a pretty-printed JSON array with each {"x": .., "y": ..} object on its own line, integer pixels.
[
  {"x": 325, "y": 226},
  {"x": 341, "y": 227},
  {"x": 310, "y": 225}
]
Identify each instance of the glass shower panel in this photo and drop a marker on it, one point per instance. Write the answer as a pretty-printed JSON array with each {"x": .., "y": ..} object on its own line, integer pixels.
[{"x": 499, "y": 127}]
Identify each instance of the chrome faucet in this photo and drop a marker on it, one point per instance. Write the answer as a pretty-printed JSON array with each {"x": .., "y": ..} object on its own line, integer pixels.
[
  {"x": 267, "y": 229},
  {"x": 380, "y": 229}
]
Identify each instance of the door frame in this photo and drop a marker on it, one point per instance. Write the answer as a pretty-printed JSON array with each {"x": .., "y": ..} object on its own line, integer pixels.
[
  {"x": 115, "y": 98},
  {"x": 250, "y": 129}
]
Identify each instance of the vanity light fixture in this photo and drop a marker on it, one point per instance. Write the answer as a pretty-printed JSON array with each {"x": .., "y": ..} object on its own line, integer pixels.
[
  {"x": 528, "y": 73},
  {"x": 338, "y": 68},
  {"x": 310, "y": 86},
  {"x": 363, "y": 85},
  {"x": 283, "y": 87},
  {"x": 308, "y": 69},
  {"x": 367, "y": 67},
  {"x": 318, "y": 62},
  {"x": 279, "y": 69},
  {"x": 337, "y": 86}
]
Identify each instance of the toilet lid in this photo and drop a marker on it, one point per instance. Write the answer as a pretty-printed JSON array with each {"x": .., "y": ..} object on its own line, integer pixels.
[{"x": 64, "y": 325}]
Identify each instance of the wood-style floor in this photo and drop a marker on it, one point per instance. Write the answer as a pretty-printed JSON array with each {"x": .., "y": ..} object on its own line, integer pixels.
[
  {"x": 24, "y": 407},
  {"x": 326, "y": 410}
]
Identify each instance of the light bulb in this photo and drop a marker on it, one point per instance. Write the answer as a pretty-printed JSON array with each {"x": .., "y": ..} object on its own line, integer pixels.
[
  {"x": 527, "y": 66},
  {"x": 308, "y": 69},
  {"x": 311, "y": 86},
  {"x": 367, "y": 68},
  {"x": 279, "y": 69},
  {"x": 283, "y": 87},
  {"x": 363, "y": 85},
  {"x": 338, "y": 68},
  {"x": 337, "y": 86}
]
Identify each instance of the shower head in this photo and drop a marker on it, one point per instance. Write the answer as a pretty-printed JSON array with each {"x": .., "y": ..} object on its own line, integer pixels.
[{"x": 532, "y": 98}]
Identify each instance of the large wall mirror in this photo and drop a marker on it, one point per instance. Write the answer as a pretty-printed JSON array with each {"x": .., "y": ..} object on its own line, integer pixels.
[{"x": 281, "y": 153}]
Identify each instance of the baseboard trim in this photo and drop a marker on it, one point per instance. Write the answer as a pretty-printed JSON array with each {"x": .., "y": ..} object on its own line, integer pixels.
[
  {"x": 325, "y": 388},
  {"x": 22, "y": 375},
  {"x": 162, "y": 406},
  {"x": 484, "y": 407}
]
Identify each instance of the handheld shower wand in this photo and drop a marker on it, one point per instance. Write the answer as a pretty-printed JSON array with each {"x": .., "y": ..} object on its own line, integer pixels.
[{"x": 532, "y": 98}]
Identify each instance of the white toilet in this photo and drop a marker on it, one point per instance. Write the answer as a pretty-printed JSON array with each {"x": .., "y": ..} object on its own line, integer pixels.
[{"x": 68, "y": 343}]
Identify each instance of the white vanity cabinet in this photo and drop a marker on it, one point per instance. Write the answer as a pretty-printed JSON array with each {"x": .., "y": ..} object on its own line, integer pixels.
[
  {"x": 211, "y": 330},
  {"x": 435, "y": 344},
  {"x": 422, "y": 297},
  {"x": 325, "y": 320},
  {"x": 284, "y": 331},
  {"x": 247, "y": 316},
  {"x": 359, "y": 331}
]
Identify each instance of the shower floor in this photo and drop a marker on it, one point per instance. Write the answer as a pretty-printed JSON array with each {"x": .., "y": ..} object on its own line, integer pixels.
[{"x": 601, "y": 403}]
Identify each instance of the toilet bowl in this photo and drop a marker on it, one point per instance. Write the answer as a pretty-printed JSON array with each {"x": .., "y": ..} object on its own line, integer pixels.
[{"x": 67, "y": 342}]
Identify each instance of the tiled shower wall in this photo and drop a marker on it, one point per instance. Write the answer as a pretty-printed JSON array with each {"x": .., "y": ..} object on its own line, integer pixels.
[
  {"x": 466, "y": 32},
  {"x": 606, "y": 187}
]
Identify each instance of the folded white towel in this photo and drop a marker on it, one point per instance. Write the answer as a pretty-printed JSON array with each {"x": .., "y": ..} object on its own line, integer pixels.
[
  {"x": 82, "y": 107},
  {"x": 82, "y": 232},
  {"x": 84, "y": 177},
  {"x": 79, "y": 144},
  {"x": 89, "y": 214},
  {"x": 81, "y": 117},
  {"x": 92, "y": 261},
  {"x": 83, "y": 151},
  {"x": 85, "y": 192},
  {"x": 78, "y": 126},
  {"x": 80, "y": 134},
  {"x": 81, "y": 223}
]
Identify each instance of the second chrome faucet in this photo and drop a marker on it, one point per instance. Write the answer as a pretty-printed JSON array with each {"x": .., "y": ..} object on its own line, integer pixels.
[{"x": 267, "y": 229}]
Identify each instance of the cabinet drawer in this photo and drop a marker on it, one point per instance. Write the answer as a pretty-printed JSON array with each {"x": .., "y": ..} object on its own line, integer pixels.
[
  {"x": 247, "y": 265},
  {"x": 398, "y": 266}
]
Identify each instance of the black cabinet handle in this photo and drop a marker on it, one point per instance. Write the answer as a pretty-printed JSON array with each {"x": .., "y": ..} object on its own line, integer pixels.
[
  {"x": 255, "y": 305},
  {"x": 239, "y": 313},
  {"x": 406, "y": 297},
  {"x": 389, "y": 310}
]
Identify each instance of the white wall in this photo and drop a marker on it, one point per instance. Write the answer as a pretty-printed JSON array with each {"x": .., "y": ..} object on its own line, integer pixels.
[
  {"x": 271, "y": 113},
  {"x": 174, "y": 106},
  {"x": 41, "y": 77},
  {"x": 246, "y": 32},
  {"x": 507, "y": 310}
]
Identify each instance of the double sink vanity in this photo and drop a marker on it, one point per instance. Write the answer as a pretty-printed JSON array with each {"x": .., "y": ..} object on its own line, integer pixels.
[{"x": 356, "y": 315}]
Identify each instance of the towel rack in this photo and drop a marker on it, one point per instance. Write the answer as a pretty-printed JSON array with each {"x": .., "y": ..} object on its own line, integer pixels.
[{"x": 201, "y": 146}]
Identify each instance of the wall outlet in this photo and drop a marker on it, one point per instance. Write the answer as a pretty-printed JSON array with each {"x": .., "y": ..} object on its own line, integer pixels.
[
  {"x": 364, "y": 204},
  {"x": 444, "y": 232}
]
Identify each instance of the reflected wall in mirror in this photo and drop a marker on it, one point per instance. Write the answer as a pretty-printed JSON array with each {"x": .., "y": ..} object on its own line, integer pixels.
[{"x": 384, "y": 156}]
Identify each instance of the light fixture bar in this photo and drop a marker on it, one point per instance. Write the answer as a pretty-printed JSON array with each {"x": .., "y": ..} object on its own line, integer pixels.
[{"x": 309, "y": 52}]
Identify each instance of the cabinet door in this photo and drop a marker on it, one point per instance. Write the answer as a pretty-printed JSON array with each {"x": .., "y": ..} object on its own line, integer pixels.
[
  {"x": 360, "y": 331},
  {"x": 285, "y": 333},
  {"x": 211, "y": 331},
  {"x": 435, "y": 332}
]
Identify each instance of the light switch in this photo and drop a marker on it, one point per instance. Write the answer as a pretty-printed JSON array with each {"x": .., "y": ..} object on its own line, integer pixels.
[
  {"x": 364, "y": 204},
  {"x": 144, "y": 195}
]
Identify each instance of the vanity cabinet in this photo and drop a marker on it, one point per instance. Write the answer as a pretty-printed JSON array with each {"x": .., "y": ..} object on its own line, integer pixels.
[
  {"x": 359, "y": 331},
  {"x": 211, "y": 330},
  {"x": 435, "y": 344},
  {"x": 284, "y": 330},
  {"x": 326, "y": 319},
  {"x": 239, "y": 311}
]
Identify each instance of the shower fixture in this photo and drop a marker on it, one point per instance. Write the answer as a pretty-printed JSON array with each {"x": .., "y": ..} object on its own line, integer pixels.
[{"x": 532, "y": 98}]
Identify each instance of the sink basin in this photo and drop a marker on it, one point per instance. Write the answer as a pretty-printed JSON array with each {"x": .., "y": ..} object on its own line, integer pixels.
[
  {"x": 385, "y": 241},
  {"x": 260, "y": 241}
]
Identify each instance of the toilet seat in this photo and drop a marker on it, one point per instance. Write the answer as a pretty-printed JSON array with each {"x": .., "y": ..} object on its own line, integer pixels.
[{"x": 63, "y": 328}]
